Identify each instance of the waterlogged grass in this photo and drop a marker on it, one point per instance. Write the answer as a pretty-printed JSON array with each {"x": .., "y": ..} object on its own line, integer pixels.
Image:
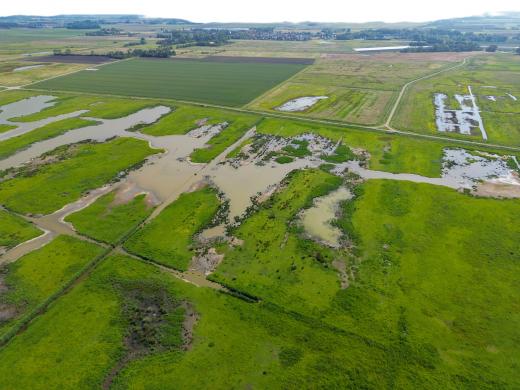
[
  {"x": 13, "y": 145},
  {"x": 231, "y": 84},
  {"x": 167, "y": 238},
  {"x": 46, "y": 188},
  {"x": 109, "y": 221},
  {"x": 387, "y": 153},
  {"x": 35, "y": 277},
  {"x": 343, "y": 104},
  {"x": 8, "y": 97},
  {"x": 15, "y": 230},
  {"x": 186, "y": 118},
  {"x": 274, "y": 262},
  {"x": 4, "y": 128},
  {"x": 227, "y": 137},
  {"x": 103, "y": 107},
  {"x": 488, "y": 76}
]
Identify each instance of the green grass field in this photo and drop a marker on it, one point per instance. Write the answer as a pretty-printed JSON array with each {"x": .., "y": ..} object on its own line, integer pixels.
[
  {"x": 167, "y": 239},
  {"x": 47, "y": 188},
  {"x": 35, "y": 277},
  {"x": 107, "y": 220},
  {"x": 231, "y": 84},
  {"x": 14, "y": 230}
]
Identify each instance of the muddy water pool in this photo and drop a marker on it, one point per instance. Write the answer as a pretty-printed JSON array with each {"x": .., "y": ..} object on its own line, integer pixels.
[{"x": 317, "y": 220}]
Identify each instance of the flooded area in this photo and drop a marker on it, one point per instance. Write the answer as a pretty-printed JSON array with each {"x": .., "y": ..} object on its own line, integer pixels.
[
  {"x": 24, "y": 107},
  {"x": 317, "y": 220},
  {"x": 473, "y": 170},
  {"x": 465, "y": 120},
  {"x": 29, "y": 67},
  {"x": 252, "y": 176},
  {"x": 105, "y": 130},
  {"x": 29, "y": 106},
  {"x": 300, "y": 104}
]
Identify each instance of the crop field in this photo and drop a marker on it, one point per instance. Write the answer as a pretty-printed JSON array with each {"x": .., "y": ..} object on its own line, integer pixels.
[
  {"x": 223, "y": 83},
  {"x": 358, "y": 89},
  {"x": 11, "y": 77},
  {"x": 491, "y": 78}
]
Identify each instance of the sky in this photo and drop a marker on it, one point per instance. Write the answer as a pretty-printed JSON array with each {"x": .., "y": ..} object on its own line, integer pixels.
[{"x": 268, "y": 10}]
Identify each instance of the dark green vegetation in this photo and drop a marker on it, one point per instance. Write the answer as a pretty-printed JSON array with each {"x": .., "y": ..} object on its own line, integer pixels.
[
  {"x": 73, "y": 170},
  {"x": 14, "y": 230},
  {"x": 168, "y": 238},
  {"x": 15, "y": 144},
  {"x": 231, "y": 84},
  {"x": 108, "y": 219},
  {"x": 36, "y": 277}
]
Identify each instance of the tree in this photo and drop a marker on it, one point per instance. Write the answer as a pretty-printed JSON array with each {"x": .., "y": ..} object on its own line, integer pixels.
[
  {"x": 491, "y": 48},
  {"x": 518, "y": 51}
]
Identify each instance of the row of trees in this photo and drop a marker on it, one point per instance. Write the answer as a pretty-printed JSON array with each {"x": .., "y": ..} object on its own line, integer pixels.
[{"x": 159, "y": 52}]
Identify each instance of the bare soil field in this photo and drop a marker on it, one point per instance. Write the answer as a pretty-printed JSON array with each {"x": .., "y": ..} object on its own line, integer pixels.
[
  {"x": 264, "y": 60},
  {"x": 72, "y": 59}
]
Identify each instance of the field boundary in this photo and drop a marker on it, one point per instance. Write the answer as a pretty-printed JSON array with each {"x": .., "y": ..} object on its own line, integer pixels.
[{"x": 346, "y": 125}]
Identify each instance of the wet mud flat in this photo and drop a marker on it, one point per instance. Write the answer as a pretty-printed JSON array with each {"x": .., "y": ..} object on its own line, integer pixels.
[{"x": 465, "y": 120}]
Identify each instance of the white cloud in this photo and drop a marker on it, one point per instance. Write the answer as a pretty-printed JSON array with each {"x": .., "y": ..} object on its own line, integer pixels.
[{"x": 268, "y": 10}]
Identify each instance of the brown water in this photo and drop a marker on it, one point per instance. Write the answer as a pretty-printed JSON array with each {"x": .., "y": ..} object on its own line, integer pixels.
[{"x": 317, "y": 219}]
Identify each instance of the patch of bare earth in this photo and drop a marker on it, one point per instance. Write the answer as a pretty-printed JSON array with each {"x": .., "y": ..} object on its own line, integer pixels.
[
  {"x": 497, "y": 190},
  {"x": 206, "y": 261},
  {"x": 148, "y": 312}
]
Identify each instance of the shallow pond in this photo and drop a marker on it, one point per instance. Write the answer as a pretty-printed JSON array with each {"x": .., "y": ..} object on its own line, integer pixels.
[
  {"x": 300, "y": 104},
  {"x": 317, "y": 220},
  {"x": 29, "y": 67}
]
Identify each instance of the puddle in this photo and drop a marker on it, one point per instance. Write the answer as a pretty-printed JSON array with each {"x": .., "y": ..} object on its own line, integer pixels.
[
  {"x": 317, "y": 219},
  {"x": 29, "y": 67},
  {"x": 512, "y": 97},
  {"x": 464, "y": 120},
  {"x": 300, "y": 104}
]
